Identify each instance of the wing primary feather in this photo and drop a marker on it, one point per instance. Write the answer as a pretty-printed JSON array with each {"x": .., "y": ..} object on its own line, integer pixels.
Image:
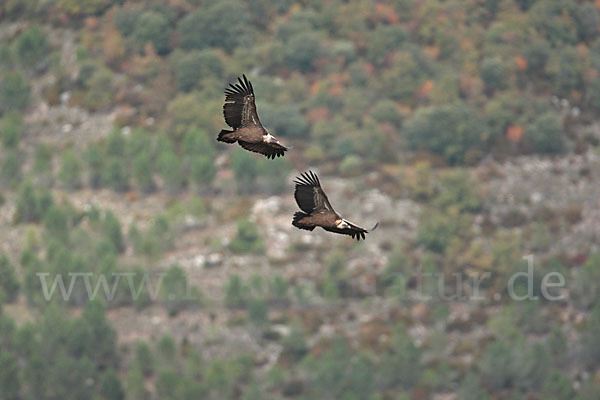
[
  {"x": 243, "y": 88},
  {"x": 315, "y": 179},
  {"x": 308, "y": 179},
  {"x": 248, "y": 85}
]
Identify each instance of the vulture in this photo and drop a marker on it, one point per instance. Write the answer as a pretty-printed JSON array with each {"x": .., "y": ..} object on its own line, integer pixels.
[
  {"x": 317, "y": 211},
  {"x": 240, "y": 113}
]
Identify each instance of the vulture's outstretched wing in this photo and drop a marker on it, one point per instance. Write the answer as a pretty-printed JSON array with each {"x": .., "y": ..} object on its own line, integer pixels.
[
  {"x": 352, "y": 230},
  {"x": 239, "y": 108},
  {"x": 309, "y": 195},
  {"x": 270, "y": 150}
]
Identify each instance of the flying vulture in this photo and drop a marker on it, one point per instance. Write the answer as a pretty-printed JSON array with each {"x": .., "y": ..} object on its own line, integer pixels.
[
  {"x": 239, "y": 111},
  {"x": 316, "y": 210}
]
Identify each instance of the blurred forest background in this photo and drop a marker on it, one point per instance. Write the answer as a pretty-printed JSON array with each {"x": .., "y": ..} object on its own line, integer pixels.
[{"x": 469, "y": 128}]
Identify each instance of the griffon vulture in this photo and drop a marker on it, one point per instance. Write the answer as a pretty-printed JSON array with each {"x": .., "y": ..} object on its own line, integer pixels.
[
  {"x": 317, "y": 211},
  {"x": 240, "y": 113}
]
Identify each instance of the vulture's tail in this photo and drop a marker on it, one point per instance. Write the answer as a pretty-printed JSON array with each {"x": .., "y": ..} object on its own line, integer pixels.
[
  {"x": 297, "y": 221},
  {"x": 223, "y": 137}
]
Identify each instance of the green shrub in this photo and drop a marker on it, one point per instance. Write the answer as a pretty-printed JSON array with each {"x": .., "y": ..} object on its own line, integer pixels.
[
  {"x": 113, "y": 232},
  {"x": 552, "y": 19},
  {"x": 116, "y": 145},
  {"x": 556, "y": 345},
  {"x": 273, "y": 176},
  {"x": 471, "y": 389},
  {"x": 110, "y": 386},
  {"x": 593, "y": 96},
  {"x": 493, "y": 73},
  {"x": 278, "y": 289},
  {"x": 590, "y": 348},
  {"x": 6, "y": 56},
  {"x": 537, "y": 53},
  {"x": 382, "y": 41},
  {"x": 174, "y": 291},
  {"x": 455, "y": 191},
  {"x": 14, "y": 91},
  {"x": 448, "y": 130},
  {"x": 258, "y": 312},
  {"x": 294, "y": 344},
  {"x": 351, "y": 164},
  {"x": 197, "y": 142},
  {"x": 247, "y": 239},
  {"x": 42, "y": 160},
  {"x": 305, "y": 20},
  {"x": 589, "y": 390},
  {"x": 31, "y": 46},
  {"x": 69, "y": 173},
  {"x": 497, "y": 366},
  {"x": 586, "y": 290},
  {"x": 9, "y": 284},
  {"x": 236, "y": 292},
  {"x": 302, "y": 50},
  {"x": 186, "y": 113},
  {"x": 11, "y": 168},
  {"x": 115, "y": 174},
  {"x": 157, "y": 239},
  {"x": 398, "y": 267},
  {"x": 203, "y": 171},
  {"x": 325, "y": 132},
  {"x": 31, "y": 204},
  {"x": 588, "y": 21},
  {"x": 144, "y": 358},
  {"x": 171, "y": 172},
  {"x": 210, "y": 26},
  {"x": 387, "y": 111},
  {"x": 126, "y": 19},
  {"x": 545, "y": 134},
  {"x": 142, "y": 172},
  {"x": 100, "y": 92},
  {"x": 437, "y": 229},
  {"x": 10, "y": 381},
  {"x": 340, "y": 373},
  {"x": 446, "y": 89},
  {"x": 558, "y": 386},
  {"x": 137, "y": 142},
  {"x": 404, "y": 78},
  {"x": 83, "y": 7},
  {"x": 152, "y": 27},
  {"x": 568, "y": 76},
  {"x": 401, "y": 365},
  {"x": 94, "y": 158},
  {"x": 190, "y": 68},
  {"x": 56, "y": 223},
  {"x": 31, "y": 265},
  {"x": 12, "y": 126},
  {"x": 245, "y": 169}
]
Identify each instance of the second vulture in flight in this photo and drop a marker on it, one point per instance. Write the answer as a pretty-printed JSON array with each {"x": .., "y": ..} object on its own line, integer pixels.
[
  {"x": 316, "y": 210},
  {"x": 240, "y": 113}
]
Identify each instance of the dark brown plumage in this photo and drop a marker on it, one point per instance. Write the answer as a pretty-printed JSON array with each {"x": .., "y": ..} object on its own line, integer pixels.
[
  {"x": 240, "y": 113},
  {"x": 317, "y": 211}
]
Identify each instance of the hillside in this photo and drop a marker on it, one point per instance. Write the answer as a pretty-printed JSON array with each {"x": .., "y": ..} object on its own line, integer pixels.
[{"x": 469, "y": 129}]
